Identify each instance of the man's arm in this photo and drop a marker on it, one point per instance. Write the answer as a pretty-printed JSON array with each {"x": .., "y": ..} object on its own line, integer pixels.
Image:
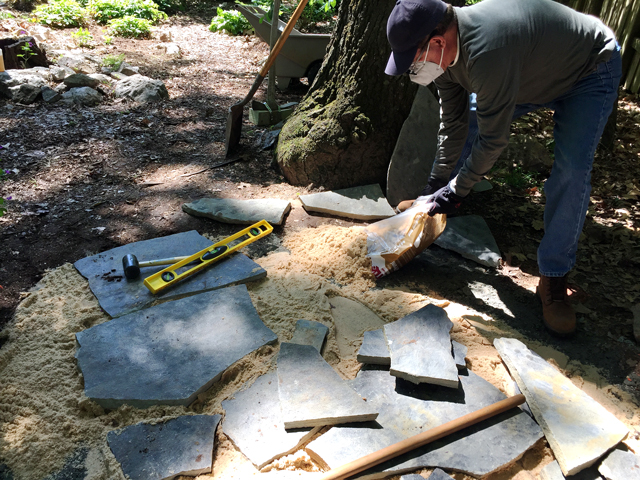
[{"x": 496, "y": 80}]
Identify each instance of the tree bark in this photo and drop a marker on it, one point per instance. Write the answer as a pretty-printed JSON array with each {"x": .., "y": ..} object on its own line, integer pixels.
[{"x": 344, "y": 130}]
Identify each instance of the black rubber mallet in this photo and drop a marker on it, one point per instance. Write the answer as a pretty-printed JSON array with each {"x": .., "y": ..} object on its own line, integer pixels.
[{"x": 132, "y": 266}]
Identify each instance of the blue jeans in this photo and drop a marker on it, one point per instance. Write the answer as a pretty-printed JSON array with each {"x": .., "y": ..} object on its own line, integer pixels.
[{"x": 580, "y": 116}]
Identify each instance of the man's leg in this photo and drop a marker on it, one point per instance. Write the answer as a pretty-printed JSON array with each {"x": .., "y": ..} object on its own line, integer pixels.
[{"x": 580, "y": 116}]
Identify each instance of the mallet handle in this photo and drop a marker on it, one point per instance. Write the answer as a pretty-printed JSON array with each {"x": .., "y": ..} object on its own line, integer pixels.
[
  {"x": 423, "y": 438},
  {"x": 161, "y": 261}
]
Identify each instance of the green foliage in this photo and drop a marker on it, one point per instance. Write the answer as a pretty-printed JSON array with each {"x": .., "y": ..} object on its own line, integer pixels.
[
  {"x": 105, "y": 10},
  {"x": 108, "y": 40},
  {"x": 26, "y": 52},
  {"x": 517, "y": 178},
  {"x": 231, "y": 21},
  {"x": 61, "y": 14},
  {"x": 113, "y": 61},
  {"x": 130, "y": 27},
  {"x": 3, "y": 210},
  {"x": 82, "y": 37},
  {"x": 6, "y": 15}
]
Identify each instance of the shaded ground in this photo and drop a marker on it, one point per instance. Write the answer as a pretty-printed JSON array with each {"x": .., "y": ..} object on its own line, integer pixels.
[{"x": 86, "y": 180}]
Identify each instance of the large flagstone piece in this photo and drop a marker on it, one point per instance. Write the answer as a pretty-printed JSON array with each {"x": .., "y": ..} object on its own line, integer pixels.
[
  {"x": 361, "y": 203},
  {"x": 420, "y": 347},
  {"x": 620, "y": 465},
  {"x": 118, "y": 296},
  {"x": 181, "y": 446},
  {"x": 169, "y": 353},
  {"x": 469, "y": 235},
  {"x": 413, "y": 155},
  {"x": 240, "y": 212},
  {"x": 578, "y": 428},
  {"x": 253, "y": 422},
  {"x": 313, "y": 394},
  {"x": 374, "y": 349},
  {"x": 312, "y": 333},
  {"x": 407, "y": 409}
]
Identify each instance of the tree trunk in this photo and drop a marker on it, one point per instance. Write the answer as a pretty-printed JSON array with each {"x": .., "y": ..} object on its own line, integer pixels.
[{"x": 344, "y": 130}]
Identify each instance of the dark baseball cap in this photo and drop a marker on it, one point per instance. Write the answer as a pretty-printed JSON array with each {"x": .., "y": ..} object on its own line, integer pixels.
[{"x": 410, "y": 22}]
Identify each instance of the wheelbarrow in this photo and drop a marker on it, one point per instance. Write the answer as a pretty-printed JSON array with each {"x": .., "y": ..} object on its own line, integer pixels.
[{"x": 300, "y": 57}]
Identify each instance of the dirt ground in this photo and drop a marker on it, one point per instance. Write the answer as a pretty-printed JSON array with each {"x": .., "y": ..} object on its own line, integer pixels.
[{"x": 84, "y": 180}]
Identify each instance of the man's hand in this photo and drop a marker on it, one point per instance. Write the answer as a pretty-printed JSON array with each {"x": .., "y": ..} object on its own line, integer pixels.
[
  {"x": 433, "y": 185},
  {"x": 445, "y": 201}
]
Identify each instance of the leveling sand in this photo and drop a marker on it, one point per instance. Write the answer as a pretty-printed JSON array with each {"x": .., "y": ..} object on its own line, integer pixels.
[{"x": 44, "y": 416}]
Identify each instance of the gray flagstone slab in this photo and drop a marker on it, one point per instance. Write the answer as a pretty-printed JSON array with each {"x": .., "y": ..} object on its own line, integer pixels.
[
  {"x": 374, "y": 349},
  {"x": 413, "y": 476},
  {"x": 469, "y": 235},
  {"x": 489, "y": 295},
  {"x": 169, "y": 353},
  {"x": 238, "y": 211},
  {"x": 312, "y": 393},
  {"x": 253, "y": 422},
  {"x": 438, "y": 474},
  {"x": 407, "y": 409},
  {"x": 420, "y": 347},
  {"x": 118, "y": 296},
  {"x": 182, "y": 446},
  {"x": 620, "y": 465},
  {"x": 552, "y": 471},
  {"x": 459, "y": 354},
  {"x": 578, "y": 429},
  {"x": 361, "y": 203},
  {"x": 312, "y": 333},
  {"x": 413, "y": 155}
]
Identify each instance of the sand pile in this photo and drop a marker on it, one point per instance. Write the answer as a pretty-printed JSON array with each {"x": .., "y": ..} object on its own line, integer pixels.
[{"x": 45, "y": 418}]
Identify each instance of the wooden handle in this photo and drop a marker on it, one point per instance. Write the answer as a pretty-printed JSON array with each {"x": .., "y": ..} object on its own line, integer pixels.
[
  {"x": 423, "y": 438},
  {"x": 285, "y": 34}
]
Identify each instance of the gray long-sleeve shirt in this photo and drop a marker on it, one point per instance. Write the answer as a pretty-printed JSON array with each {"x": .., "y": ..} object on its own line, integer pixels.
[{"x": 511, "y": 52}]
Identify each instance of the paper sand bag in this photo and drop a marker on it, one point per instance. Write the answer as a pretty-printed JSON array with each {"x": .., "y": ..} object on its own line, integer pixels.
[{"x": 394, "y": 241}]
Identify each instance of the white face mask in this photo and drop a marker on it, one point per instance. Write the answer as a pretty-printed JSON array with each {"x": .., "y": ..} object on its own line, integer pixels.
[{"x": 426, "y": 72}]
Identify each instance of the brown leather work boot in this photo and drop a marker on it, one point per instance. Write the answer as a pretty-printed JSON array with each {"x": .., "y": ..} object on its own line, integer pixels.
[{"x": 557, "y": 313}]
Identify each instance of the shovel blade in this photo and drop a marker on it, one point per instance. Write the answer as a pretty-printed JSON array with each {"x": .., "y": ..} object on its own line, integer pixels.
[{"x": 234, "y": 127}]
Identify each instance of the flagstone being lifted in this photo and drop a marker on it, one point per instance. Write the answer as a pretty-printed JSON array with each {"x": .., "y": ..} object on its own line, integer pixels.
[
  {"x": 361, "y": 203},
  {"x": 578, "y": 429},
  {"x": 552, "y": 471},
  {"x": 253, "y": 422},
  {"x": 239, "y": 212},
  {"x": 169, "y": 353},
  {"x": 407, "y": 409},
  {"x": 620, "y": 465},
  {"x": 469, "y": 235},
  {"x": 118, "y": 296},
  {"x": 313, "y": 394},
  {"x": 312, "y": 333},
  {"x": 420, "y": 347},
  {"x": 181, "y": 446}
]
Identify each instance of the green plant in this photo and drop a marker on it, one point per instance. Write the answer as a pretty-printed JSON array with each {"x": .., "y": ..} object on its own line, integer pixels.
[
  {"x": 6, "y": 15},
  {"x": 61, "y": 14},
  {"x": 105, "y": 10},
  {"x": 113, "y": 61},
  {"x": 172, "y": 6},
  {"x": 107, "y": 39},
  {"x": 82, "y": 37},
  {"x": 26, "y": 52},
  {"x": 231, "y": 21},
  {"x": 517, "y": 178},
  {"x": 130, "y": 27}
]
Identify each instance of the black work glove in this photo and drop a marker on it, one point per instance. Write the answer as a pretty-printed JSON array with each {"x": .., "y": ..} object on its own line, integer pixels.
[
  {"x": 433, "y": 185},
  {"x": 445, "y": 201}
]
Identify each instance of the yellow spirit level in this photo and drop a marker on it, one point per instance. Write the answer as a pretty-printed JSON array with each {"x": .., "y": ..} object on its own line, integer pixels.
[{"x": 170, "y": 275}]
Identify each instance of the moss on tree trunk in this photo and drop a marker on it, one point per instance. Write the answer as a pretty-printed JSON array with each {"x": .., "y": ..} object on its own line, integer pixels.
[{"x": 343, "y": 132}]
